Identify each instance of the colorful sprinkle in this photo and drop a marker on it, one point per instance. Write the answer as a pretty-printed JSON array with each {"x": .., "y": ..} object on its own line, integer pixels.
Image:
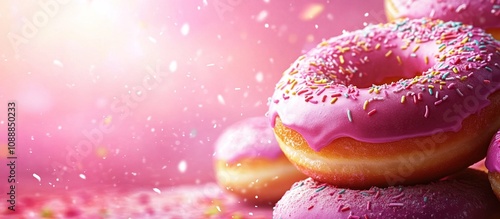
[{"x": 349, "y": 116}]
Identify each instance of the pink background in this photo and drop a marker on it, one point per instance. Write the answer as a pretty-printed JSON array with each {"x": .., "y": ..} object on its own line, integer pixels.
[{"x": 89, "y": 110}]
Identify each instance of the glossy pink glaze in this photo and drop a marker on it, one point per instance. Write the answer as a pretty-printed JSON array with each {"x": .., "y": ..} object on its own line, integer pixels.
[
  {"x": 480, "y": 13},
  {"x": 249, "y": 138},
  {"x": 465, "y": 196},
  {"x": 493, "y": 158},
  {"x": 328, "y": 93}
]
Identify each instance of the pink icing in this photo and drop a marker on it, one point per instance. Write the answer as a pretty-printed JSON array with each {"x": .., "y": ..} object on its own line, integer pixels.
[
  {"x": 249, "y": 138},
  {"x": 466, "y": 196},
  {"x": 480, "y": 13},
  {"x": 328, "y": 93},
  {"x": 493, "y": 158}
]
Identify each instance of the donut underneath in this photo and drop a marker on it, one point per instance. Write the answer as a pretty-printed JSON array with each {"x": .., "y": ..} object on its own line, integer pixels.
[
  {"x": 493, "y": 164},
  {"x": 260, "y": 181},
  {"x": 483, "y": 14},
  {"x": 249, "y": 162},
  {"x": 464, "y": 195}
]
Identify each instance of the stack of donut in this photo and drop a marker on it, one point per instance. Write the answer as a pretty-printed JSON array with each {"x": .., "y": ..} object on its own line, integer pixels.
[{"x": 386, "y": 120}]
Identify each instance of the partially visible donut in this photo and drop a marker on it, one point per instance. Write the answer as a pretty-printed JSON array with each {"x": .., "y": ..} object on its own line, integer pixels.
[
  {"x": 466, "y": 195},
  {"x": 250, "y": 164},
  {"x": 493, "y": 164},
  {"x": 401, "y": 103},
  {"x": 480, "y": 13}
]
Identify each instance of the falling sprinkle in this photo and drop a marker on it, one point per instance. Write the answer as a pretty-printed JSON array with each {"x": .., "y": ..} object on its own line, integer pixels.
[
  {"x": 221, "y": 99},
  {"x": 262, "y": 16},
  {"x": 107, "y": 120},
  {"x": 311, "y": 11},
  {"x": 37, "y": 177},
  {"x": 153, "y": 40},
  {"x": 185, "y": 29},
  {"x": 182, "y": 167},
  {"x": 173, "y": 66},
  {"x": 82, "y": 176},
  {"x": 157, "y": 190},
  {"x": 259, "y": 77},
  {"x": 58, "y": 63}
]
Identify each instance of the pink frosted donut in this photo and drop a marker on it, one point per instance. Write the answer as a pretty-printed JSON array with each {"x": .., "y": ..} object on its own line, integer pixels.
[
  {"x": 493, "y": 164},
  {"x": 249, "y": 162},
  {"x": 405, "y": 102},
  {"x": 480, "y": 13},
  {"x": 464, "y": 195}
]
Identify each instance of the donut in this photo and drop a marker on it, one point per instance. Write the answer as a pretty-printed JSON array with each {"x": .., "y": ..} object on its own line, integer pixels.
[
  {"x": 250, "y": 163},
  {"x": 464, "y": 195},
  {"x": 401, "y": 103},
  {"x": 493, "y": 164},
  {"x": 480, "y": 13}
]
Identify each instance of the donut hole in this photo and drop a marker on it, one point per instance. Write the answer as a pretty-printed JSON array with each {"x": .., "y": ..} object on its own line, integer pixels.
[
  {"x": 382, "y": 69},
  {"x": 365, "y": 62}
]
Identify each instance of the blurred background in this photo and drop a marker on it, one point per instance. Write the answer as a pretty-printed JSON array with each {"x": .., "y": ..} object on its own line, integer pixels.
[{"x": 135, "y": 93}]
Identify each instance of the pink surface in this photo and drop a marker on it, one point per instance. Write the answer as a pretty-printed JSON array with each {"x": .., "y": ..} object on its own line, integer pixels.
[
  {"x": 134, "y": 94},
  {"x": 200, "y": 201}
]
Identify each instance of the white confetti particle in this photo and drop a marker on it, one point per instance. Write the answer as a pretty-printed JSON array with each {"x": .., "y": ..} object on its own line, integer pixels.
[
  {"x": 153, "y": 40},
  {"x": 221, "y": 100},
  {"x": 37, "y": 177},
  {"x": 262, "y": 16},
  {"x": 157, "y": 190},
  {"x": 182, "y": 166},
  {"x": 185, "y": 29},
  {"x": 173, "y": 66},
  {"x": 259, "y": 77},
  {"x": 82, "y": 176},
  {"x": 58, "y": 63}
]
